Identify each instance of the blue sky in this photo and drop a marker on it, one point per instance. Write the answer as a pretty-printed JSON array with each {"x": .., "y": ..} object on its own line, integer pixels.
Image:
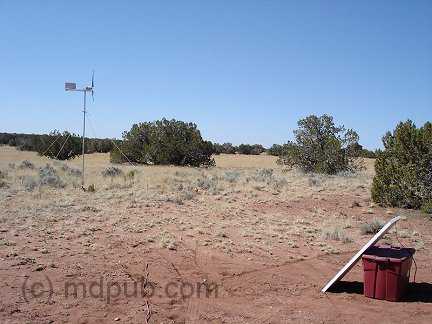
[{"x": 244, "y": 71}]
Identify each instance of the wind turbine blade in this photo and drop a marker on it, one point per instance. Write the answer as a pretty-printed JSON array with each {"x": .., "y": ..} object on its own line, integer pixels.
[{"x": 92, "y": 85}]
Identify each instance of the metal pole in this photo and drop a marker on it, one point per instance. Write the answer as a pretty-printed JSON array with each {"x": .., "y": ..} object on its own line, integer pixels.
[{"x": 83, "y": 136}]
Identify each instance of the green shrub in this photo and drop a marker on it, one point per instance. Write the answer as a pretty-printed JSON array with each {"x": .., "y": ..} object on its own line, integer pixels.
[
  {"x": 248, "y": 149},
  {"x": 404, "y": 168},
  {"x": 48, "y": 177},
  {"x": 165, "y": 142},
  {"x": 131, "y": 174},
  {"x": 61, "y": 146},
  {"x": 275, "y": 150},
  {"x": 427, "y": 207},
  {"x": 116, "y": 156},
  {"x": 225, "y": 148},
  {"x": 321, "y": 146},
  {"x": 111, "y": 172},
  {"x": 40, "y": 143}
]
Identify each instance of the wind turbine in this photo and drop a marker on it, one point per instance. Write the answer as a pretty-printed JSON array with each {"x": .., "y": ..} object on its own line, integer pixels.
[{"x": 70, "y": 86}]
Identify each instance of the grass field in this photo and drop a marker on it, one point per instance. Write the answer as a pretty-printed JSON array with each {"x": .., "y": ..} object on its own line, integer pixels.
[{"x": 268, "y": 238}]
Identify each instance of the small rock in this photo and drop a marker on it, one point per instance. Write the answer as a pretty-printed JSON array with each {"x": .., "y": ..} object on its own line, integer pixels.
[
  {"x": 355, "y": 204},
  {"x": 134, "y": 245},
  {"x": 39, "y": 268}
]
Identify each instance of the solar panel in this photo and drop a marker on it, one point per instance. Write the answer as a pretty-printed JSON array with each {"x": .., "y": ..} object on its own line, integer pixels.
[{"x": 342, "y": 272}]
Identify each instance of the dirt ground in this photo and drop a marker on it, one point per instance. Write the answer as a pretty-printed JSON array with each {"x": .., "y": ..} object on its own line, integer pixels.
[{"x": 244, "y": 242}]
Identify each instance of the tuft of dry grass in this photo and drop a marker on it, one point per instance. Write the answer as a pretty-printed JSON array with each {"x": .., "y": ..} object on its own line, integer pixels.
[
  {"x": 232, "y": 176},
  {"x": 48, "y": 176},
  {"x": 335, "y": 233},
  {"x": 26, "y": 165},
  {"x": 372, "y": 227},
  {"x": 167, "y": 240},
  {"x": 112, "y": 172}
]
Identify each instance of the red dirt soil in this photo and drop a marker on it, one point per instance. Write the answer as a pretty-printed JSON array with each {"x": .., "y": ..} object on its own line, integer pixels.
[
  {"x": 251, "y": 287},
  {"x": 267, "y": 249}
]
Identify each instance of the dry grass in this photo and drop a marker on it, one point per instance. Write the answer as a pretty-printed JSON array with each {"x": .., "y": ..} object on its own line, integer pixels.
[
  {"x": 373, "y": 227},
  {"x": 246, "y": 213},
  {"x": 245, "y": 173},
  {"x": 231, "y": 207},
  {"x": 246, "y": 161}
]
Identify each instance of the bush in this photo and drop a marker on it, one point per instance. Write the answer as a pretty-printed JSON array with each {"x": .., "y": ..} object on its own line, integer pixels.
[
  {"x": 112, "y": 172},
  {"x": 263, "y": 175},
  {"x": 372, "y": 228},
  {"x": 204, "y": 183},
  {"x": 61, "y": 146},
  {"x": 247, "y": 149},
  {"x": 3, "y": 174},
  {"x": 71, "y": 171},
  {"x": 40, "y": 143},
  {"x": 279, "y": 150},
  {"x": 29, "y": 182},
  {"x": 165, "y": 142},
  {"x": 232, "y": 176},
  {"x": 48, "y": 177},
  {"x": 116, "y": 157},
  {"x": 131, "y": 174},
  {"x": 3, "y": 177},
  {"x": 225, "y": 148},
  {"x": 335, "y": 233},
  {"x": 26, "y": 164},
  {"x": 404, "y": 168},
  {"x": 322, "y": 147},
  {"x": 269, "y": 178},
  {"x": 4, "y": 184},
  {"x": 427, "y": 207},
  {"x": 275, "y": 150}
]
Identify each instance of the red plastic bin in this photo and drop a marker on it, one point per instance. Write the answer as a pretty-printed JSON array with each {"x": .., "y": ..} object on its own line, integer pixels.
[{"x": 386, "y": 271}]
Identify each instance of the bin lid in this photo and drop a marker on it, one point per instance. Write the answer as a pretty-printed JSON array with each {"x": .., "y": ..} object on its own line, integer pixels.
[{"x": 390, "y": 253}]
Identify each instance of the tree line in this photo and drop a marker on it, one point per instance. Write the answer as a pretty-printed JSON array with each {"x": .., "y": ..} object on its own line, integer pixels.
[
  {"x": 403, "y": 168},
  {"x": 40, "y": 142},
  {"x": 56, "y": 144}
]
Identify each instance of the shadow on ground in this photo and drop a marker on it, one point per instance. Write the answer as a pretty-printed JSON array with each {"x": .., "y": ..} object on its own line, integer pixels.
[
  {"x": 420, "y": 292},
  {"x": 350, "y": 287}
]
